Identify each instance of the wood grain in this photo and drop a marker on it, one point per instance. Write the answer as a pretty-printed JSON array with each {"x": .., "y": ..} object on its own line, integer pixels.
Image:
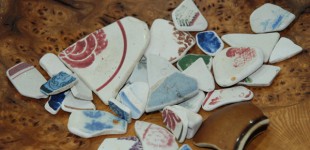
[{"x": 31, "y": 28}]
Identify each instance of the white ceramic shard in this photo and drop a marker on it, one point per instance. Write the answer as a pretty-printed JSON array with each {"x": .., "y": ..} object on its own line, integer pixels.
[
  {"x": 122, "y": 143},
  {"x": 52, "y": 65},
  {"x": 158, "y": 68},
  {"x": 194, "y": 104},
  {"x": 209, "y": 42},
  {"x": 199, "y": 71},
  {"x": 226, "y": 96},
  {"x": 168, "y": 42},
  {"x": 80, "y": 90},
  {"x": 284, "y": 49},
  {"x": 71, "y": 104},
  {"x": 134, "y": 96},
  {"x": 139, "y": 74},
  {"x": 54, "y": 103},
  {"x": 262, "y": 77},
  {"x": 270, "y": 18},
  {"x": 188, "y": 59},
  {"x": 265, "y": 42},
  {"x": 187, "y": 17},
  {"x": 194, "y": 121},
  {"x": 154, "y": 137},
  {"x": 120, "y": 110},
  {"x": 27, "y": 80},
  {"x": 233, "y": 64},
  {"x": 92, "y": 123},
  {"x": 105, "y": 58}
]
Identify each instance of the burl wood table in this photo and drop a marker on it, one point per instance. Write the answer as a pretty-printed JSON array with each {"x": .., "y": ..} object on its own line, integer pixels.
[{"x": 31, "y": 28}]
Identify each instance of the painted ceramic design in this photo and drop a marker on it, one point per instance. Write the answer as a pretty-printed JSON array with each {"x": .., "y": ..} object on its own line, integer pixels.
[
  {"x": 172, "y": 122},
  {"x": 194, "y": 104},
  {"x": 187, "y": 17},
  {"x": 72, "y": 103},
  {"x": 209, "y": 42},
  {"x": 54, "y": 103},
  {"x": 168, "y": 42},
  {"x": 154, "y": 137},
  {"x": 233, "y": 64},
  {"x": 27, "y": 80},
  {"x": 139, "y": 74},
  {"x": 284, "y": 49},
  {"x": 265, "y": 42},
  {"x": 91, "y": 123},
  {"x": 52, "y": 65},
  {"x": 262, "y": 77},
  {"x": 58, "y": 83},
  {"x": 120, "y": 110},
  {"x": 270, "y": 18},
  {"x": 176, "y": 88},
  {"x": 122, "y": 143},
  {"x": 105, "y": 59},
  {"x": 222, "y": 97},
  {"x": 80, "y": 90},
  {"x": 188, "y": 59},
  {"x": 185, "y": 147}
]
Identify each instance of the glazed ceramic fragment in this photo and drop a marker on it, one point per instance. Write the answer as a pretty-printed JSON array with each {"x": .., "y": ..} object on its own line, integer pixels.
[
  {"x": 168, "y": 42},
  {"x": 185, "y": 147},
  {"x": 238, "y": 123},
  {"x": 54, "y": 103},
  {"x": 71, "y": 104},
  {"x": 187, "y": 17},
  {"x": 122, "y": 143},
  {"x": 188, "y": 59},
  {"x": 80, "y": 90},
  {"x": 226, "y": 96},
  {"x": 193, "y": 104},
  {"x": 158, "y": 68},
  {"x": 135, "y": 96},
  {"x": 139, "y": 74},
  {"x": 120, "y": 110},
  {"x": 209, "y": 42},
  {"x": 27, "y": 80},
  {"x": 199, "y": 71},
  {"x": 233, "y": 64},
  {"x": 105, "y": 58},
  {"x": 284, "y": 49},
  {"x": 262, "y": 77},
  {"x": 265, "y": 42},
  {"x": 175, "y": 89},
  {"x": 92, "y": 123},
  {"x": 52, "y": 65},
  {"x": 154, "y": 137},
  {"x": 270, "y": 18}
]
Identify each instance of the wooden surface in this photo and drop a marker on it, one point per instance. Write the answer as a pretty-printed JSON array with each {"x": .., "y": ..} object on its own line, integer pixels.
[{"x": 31, "y": 28}]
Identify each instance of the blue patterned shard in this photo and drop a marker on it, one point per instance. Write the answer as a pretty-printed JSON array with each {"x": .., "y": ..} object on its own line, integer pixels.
[
  {"x": 56, "y": 101},
  {"x": 209, "y": 42},
  {"x": 97, "y": 126},
  {"x": 93, "y": 114},
  {"x": 185, "y": 147},
  {"x": 58, "y": 83},
  {"x": 119, "y": 112}
]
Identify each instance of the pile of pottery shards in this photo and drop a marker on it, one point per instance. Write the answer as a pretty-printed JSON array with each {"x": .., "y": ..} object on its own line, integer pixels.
[{"x": 130, "y": 68}]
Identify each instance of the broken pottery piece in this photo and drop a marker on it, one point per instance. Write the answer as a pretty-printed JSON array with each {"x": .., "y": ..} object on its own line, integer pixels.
[
  {"x": 52, "y": 65},
  {"x": 175, "y": 89},
  {"x": 176, "y": 122},
  {"x": 120, "y": 110},
  {"x": 233, "y": 64},
  {"x": 105, "y": 58},
  {"x": 265, "y": 42},
  {"x": 80, "y": 90},
  {"x": 262, "y": 77},
  {"x": 54, "y": 103},
  {"x": 58, "y": 83},
  {"x": 71, "y": 104},
  {"x": 185, "y": 147},
  {"x": 199, "y": 71},
  {"x": 284, "y": 49},
  {"x": 226, "y": 96},
  {"x": 188, "y": 59},
  {"x": 168, "y": 42},
  {"x": 122, "y": 143},
  {"x": 135, "y": 96},
  {"x": 270, "y": 18},
  {"x": 187, "y": 17},
  {"x": 91, "y": 123},
  {"x": 27, "y": 80},
  {"x": 154, "y": 137},
  {"x": 158, "y": 68},
  {"x": 209, "y": 42},
  {"x": 194, "y": 103},
  {"x": 238, "y": 123},
  {"x": 194, "y": 121},
  {"x": 139, "y": 74}
]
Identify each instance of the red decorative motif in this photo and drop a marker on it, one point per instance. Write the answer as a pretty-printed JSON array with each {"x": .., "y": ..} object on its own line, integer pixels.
[
  {"x": 83, "y": 53},
  {"x": 214, "y": 100},
  {"x": 157, "y": 137},
  {"x": 170, "y": 119},
  {"x": 241, "y": 55}
]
